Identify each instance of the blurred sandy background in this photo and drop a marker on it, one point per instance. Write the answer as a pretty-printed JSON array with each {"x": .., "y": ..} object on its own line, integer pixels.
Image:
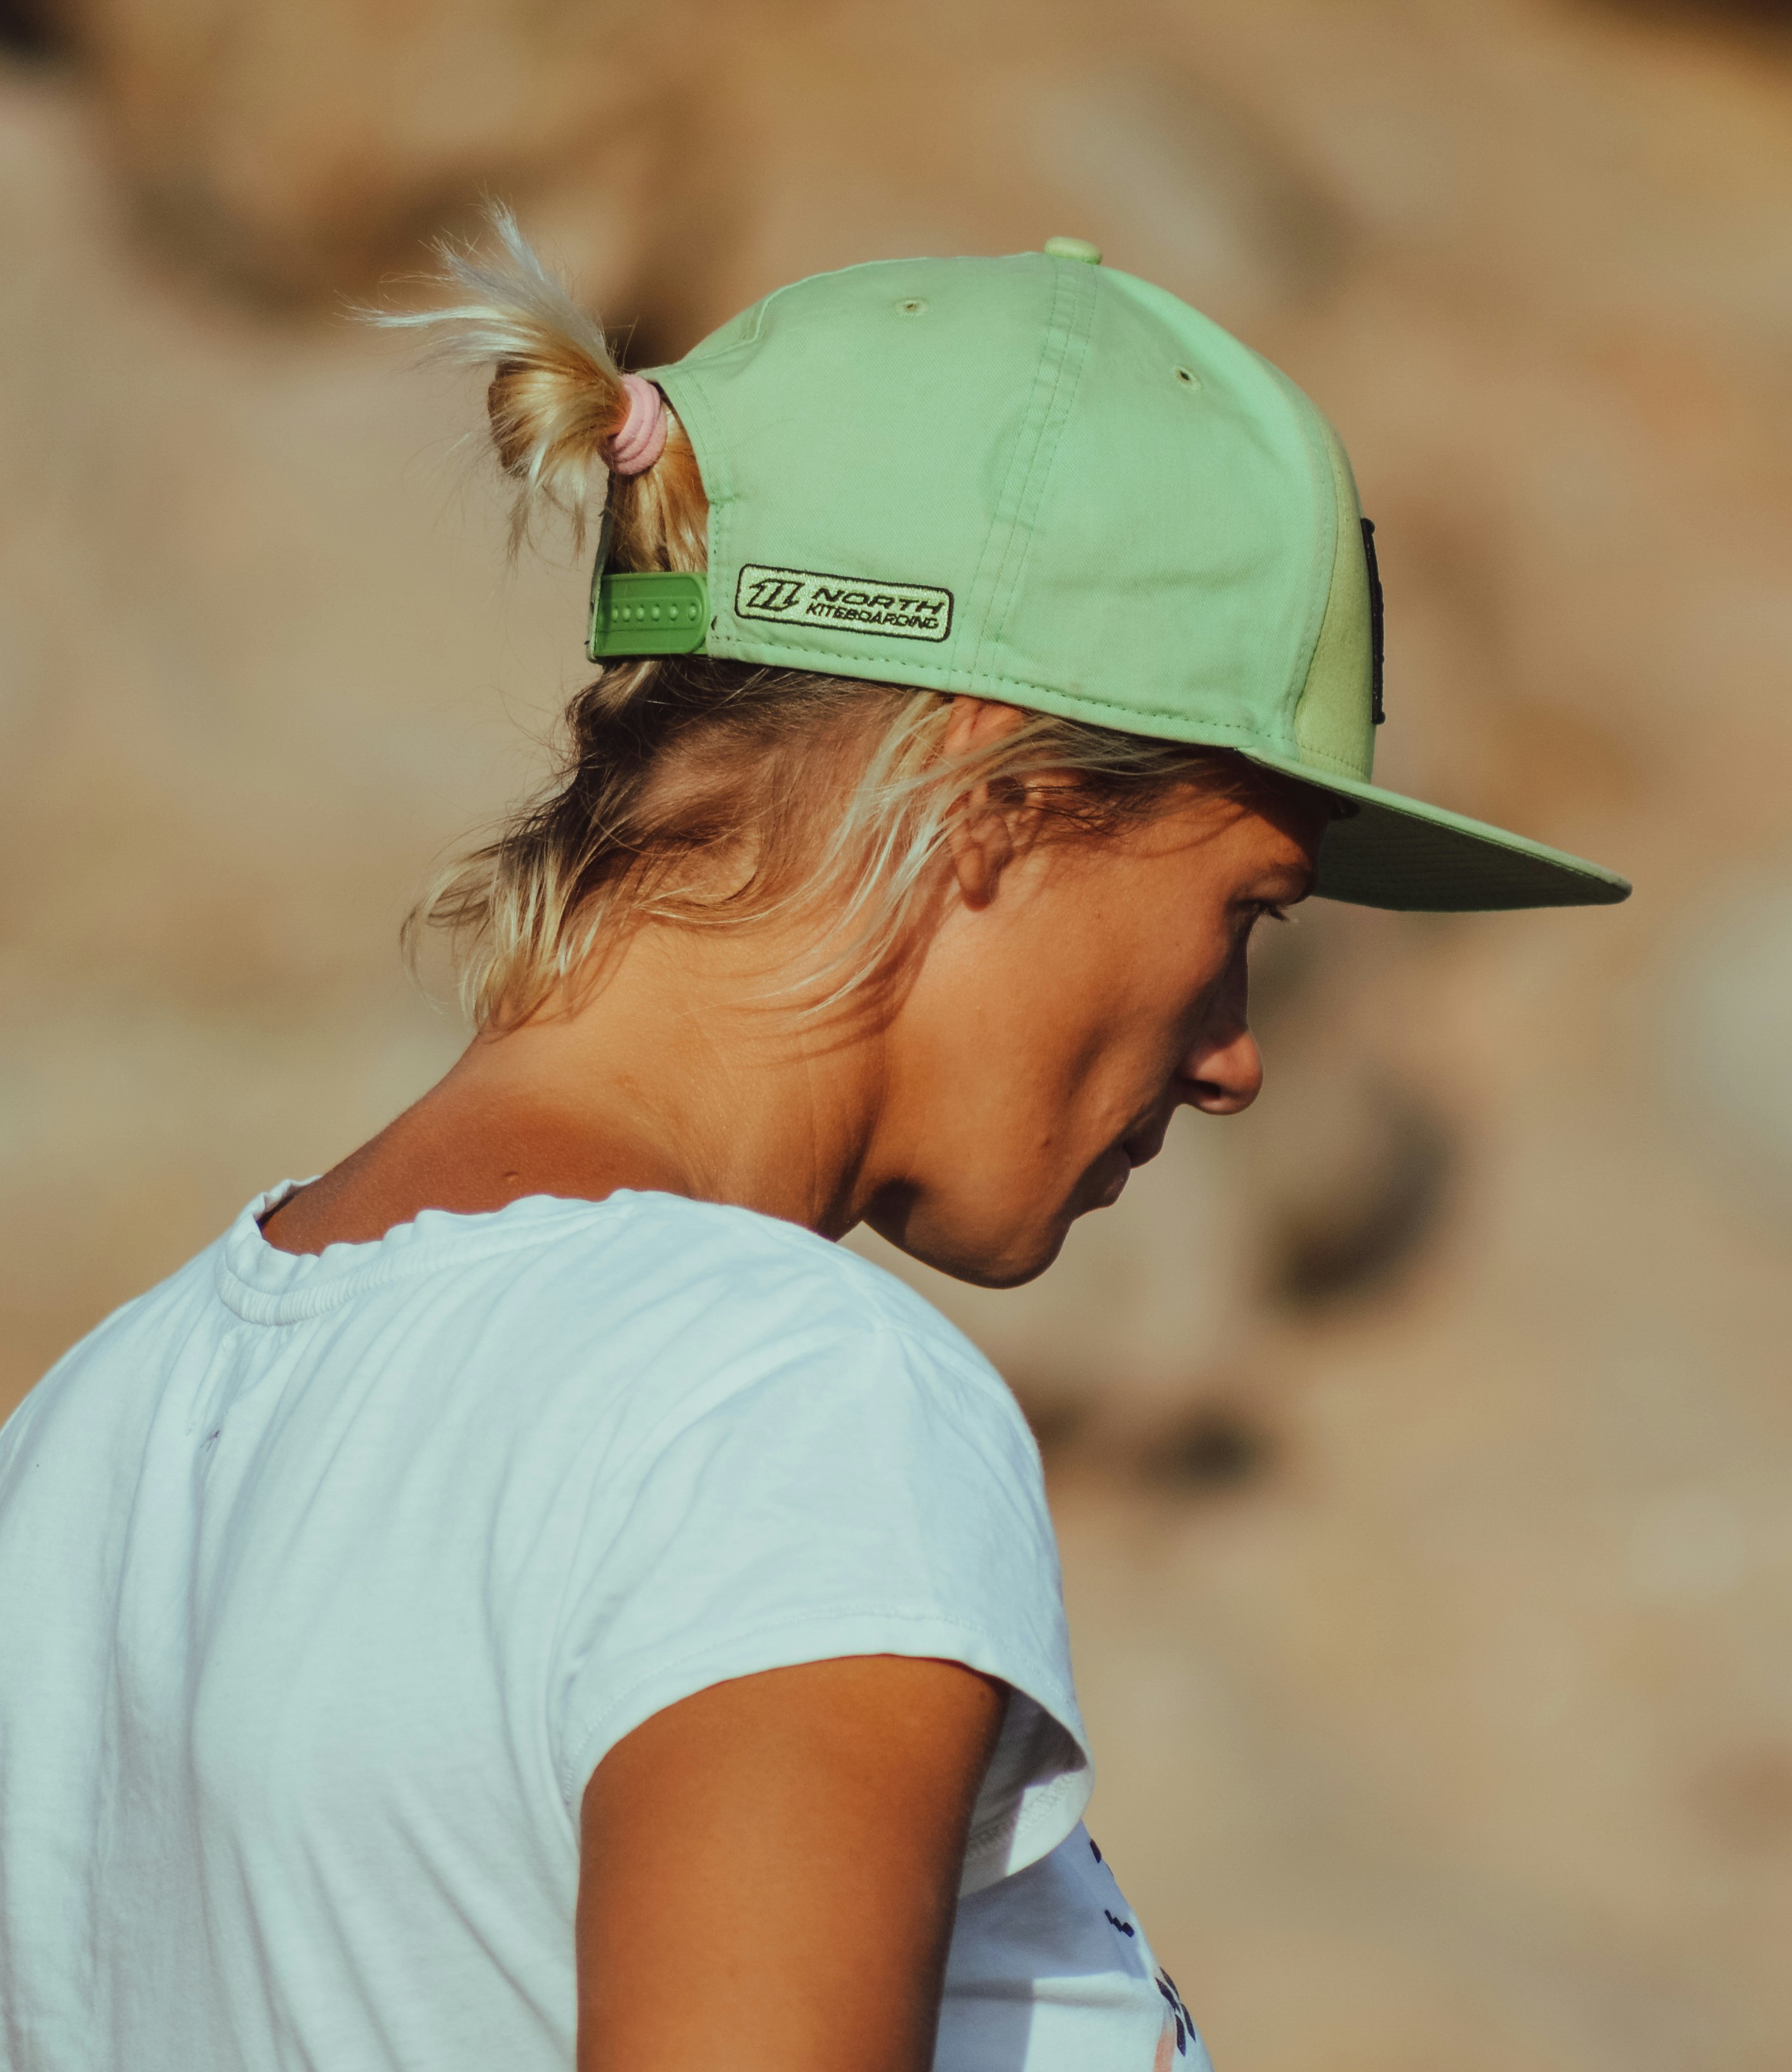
[{"x": 1421, "y": 1442}]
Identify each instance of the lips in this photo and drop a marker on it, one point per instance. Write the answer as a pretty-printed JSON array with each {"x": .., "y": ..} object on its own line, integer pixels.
[
  {"x": 1138, "y": 1148},
  {"x": 1143, "y": 1145}
]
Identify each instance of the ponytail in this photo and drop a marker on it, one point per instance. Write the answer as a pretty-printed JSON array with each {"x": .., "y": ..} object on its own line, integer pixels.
[{"x": 557, "y": 403}]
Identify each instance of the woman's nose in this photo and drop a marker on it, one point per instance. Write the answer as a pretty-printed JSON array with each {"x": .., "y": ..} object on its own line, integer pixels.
[
  {"x": 1224, "y": 1077},
  {"x": 1223, "y": 1072}
]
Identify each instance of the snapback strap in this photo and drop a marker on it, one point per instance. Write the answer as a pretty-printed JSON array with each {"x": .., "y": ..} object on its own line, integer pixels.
[{"x": 646, "y": 613}]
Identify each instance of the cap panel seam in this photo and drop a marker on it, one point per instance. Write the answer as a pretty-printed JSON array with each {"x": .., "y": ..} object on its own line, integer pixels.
[
  {"x": 1323, "y": 553},
  {"x": 991, "y": 579},
  {"x": 1082, "y": 282}
]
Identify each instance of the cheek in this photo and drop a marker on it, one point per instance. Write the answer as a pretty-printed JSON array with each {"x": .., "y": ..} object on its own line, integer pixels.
[
  {"x": 1113, "y": 996},
  {"x": 1065, "y": 1012},
  {"x": 1148, "y": 960}
]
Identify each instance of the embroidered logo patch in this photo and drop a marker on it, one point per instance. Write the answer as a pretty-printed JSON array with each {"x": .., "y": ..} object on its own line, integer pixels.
[{"x": 799, "y": 597}]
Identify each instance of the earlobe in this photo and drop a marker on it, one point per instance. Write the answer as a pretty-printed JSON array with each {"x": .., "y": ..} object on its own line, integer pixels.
[
  {"x": 980, "y": 837},
  {"x": 982, "y": 845}
]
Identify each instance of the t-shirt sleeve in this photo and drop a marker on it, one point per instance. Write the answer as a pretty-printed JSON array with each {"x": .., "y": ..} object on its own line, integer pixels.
[{"x": 854, "y": 1488}]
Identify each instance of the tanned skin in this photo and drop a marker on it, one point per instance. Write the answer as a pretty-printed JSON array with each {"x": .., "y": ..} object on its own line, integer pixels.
[
  {"x": 770, "y": 1870},
  {"x": 770, "y": 1867}
]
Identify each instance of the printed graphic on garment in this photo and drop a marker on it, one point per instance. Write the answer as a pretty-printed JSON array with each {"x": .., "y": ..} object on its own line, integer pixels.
[
  {"x": 849, "y": 604},
  {"x": 1177, "y": 2019}
]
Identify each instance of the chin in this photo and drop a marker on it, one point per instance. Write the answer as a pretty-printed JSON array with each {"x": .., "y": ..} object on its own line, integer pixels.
[
  {"x": 981, "y": 1261},
  {"x": 1006, "y": 1272}
]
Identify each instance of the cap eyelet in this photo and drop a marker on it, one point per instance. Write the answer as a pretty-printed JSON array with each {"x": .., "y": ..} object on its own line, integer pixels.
[
  {"x": 1187, "y": 377},
  {"x": 912, "y": 306}
]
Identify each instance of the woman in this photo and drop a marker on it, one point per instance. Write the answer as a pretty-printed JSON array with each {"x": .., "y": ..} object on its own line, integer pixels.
[{"x": 528, "y": 1597}]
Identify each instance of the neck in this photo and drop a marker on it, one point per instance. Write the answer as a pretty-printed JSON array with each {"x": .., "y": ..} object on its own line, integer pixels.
[{"x": 682, "y": 1073}]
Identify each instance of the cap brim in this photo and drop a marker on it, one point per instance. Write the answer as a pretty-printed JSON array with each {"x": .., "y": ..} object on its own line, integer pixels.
[{"x": 1400, "y": 853}]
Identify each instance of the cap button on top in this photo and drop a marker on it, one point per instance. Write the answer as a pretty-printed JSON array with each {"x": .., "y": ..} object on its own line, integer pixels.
[{"x": 1074, "y": 248}]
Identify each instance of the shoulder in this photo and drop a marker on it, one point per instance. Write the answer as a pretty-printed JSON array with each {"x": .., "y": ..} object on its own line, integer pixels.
[
  {"x": 733, "y": 1335},
  {"x": 70, "y": 1454},
  {"x": 103, "y": 1361},
  {"x": 708, "y": 1257},
  {"x": 767, "y": 1298}
]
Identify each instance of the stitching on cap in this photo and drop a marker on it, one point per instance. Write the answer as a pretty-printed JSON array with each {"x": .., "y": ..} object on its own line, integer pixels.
[
  {"x": 1076, "y": 286},
  {"x": 1323, "y": 483},
  {"x": 807, "y": 657},
  {"x": 1008, "y": 502}
]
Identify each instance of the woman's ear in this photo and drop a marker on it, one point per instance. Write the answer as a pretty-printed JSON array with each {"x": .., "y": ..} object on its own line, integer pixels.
[{"x": 982, "y": 836}]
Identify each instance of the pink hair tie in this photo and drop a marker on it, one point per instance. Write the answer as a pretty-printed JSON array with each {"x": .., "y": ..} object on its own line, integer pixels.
[{"x": 641, "y": 440}]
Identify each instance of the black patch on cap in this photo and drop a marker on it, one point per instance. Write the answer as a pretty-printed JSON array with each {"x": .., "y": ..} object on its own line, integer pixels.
[{"x": 1377, "y": 711}]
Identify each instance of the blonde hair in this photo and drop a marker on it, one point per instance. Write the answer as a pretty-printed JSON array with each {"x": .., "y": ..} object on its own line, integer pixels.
[{"x": 696, "y": 791}]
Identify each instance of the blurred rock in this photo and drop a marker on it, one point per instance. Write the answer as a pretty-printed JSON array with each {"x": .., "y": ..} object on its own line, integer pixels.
[
  {"x": 29, "y": 30},
  {"x": 300, "y": 156},
  {"x": 1198, "y": 197},
  {"x": 1353, "y": 1236},
  {"x": 1718, "y": 14},
  {"x": 299, "y": 153},
  {"x": 1726, "y": 1060}
]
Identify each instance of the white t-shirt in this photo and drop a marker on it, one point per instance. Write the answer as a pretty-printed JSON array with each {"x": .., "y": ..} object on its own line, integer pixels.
[{"x": 325, "y": 1583}]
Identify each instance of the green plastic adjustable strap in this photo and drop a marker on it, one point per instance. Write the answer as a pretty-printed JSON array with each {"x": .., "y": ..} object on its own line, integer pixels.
[{"x": 647, "y": 614}]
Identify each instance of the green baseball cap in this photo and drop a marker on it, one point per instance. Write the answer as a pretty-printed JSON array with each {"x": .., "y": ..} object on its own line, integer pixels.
[{"x": 1039, "y": 480}]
